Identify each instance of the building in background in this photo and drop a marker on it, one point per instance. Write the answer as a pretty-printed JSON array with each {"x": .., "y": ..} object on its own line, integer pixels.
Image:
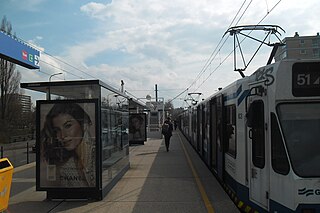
[
  {"x": 299, "y": 47},
  {"x": 25, "y": 102},
  {"x": 20, "y": 104}
]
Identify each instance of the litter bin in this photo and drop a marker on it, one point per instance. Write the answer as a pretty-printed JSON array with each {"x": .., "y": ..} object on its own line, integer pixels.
[{"x": 6, "y": 170}]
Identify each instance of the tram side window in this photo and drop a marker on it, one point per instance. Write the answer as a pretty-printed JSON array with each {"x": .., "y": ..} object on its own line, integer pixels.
[
  {"x": 279, "y": 161},
  {"x": 231, "y": 130},
  {"x": 194, "y": 122}
]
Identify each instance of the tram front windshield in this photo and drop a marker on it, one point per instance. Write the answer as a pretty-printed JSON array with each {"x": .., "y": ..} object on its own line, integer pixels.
[{"x": 300, "y": 123}]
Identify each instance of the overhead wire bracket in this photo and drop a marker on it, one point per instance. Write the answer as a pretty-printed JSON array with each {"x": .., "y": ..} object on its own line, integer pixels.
[
  {"x": 237, "y": 30},
  {"x": 192, "y": 99}
]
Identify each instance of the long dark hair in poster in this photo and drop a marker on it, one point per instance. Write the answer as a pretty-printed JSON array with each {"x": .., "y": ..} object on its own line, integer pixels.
[
  {"x": 67, "y": 144},
  {"x": 137, "y": 127}
]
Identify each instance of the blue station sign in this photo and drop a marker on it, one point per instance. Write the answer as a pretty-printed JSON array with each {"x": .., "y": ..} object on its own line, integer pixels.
[{"x": 18, "y": 52}]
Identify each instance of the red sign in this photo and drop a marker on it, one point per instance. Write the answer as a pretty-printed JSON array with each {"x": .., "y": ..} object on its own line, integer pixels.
[{"x": 24, "y": 55}]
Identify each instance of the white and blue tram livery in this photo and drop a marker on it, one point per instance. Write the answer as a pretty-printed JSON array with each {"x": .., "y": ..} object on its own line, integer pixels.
[{"x": 260, "y": 136}]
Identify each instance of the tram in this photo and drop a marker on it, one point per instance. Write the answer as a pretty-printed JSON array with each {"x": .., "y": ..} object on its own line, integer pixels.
[{"x": 260, "y": 136}]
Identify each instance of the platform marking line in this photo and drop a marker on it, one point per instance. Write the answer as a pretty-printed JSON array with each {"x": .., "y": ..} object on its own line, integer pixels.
[{"x": 198, "y": 181}]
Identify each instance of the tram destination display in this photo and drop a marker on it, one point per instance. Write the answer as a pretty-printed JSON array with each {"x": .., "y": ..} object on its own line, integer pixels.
[{"x": 306, "y": 79}]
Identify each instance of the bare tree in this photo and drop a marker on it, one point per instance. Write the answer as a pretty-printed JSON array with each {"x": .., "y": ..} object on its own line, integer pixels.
[
  {"x": 9, "y": 87},
  {"x": 9, "y": 79},
  {"x": 168, "y": 107}
]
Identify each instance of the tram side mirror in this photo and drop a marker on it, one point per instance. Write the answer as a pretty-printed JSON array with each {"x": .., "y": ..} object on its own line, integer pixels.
[{"x": 249, "y": 117}]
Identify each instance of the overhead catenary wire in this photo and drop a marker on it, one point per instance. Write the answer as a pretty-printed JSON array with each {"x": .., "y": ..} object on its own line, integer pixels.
[
  {"x": 240, "y": 43},
  {"x": 215, "y": 51},
  {"x": 76, "y": 68},
  {"x": 56, "y": 58},
  {"x": 48, "y": 74},
  {"x": 269, "y": 11},
  {"x": 204, "y": 68},
  {"x": 245, "y": 10},
  {"x": 66, "y": 63},
  {"x": 64, "y": 70},
  {"x": 212, "y": 58}
]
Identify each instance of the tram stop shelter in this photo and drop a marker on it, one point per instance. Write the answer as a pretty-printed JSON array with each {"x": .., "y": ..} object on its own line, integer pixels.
[{"x": 82, "y": 138}]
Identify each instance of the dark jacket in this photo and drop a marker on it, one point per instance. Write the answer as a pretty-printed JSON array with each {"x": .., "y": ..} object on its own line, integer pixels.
[{"x": 170, "y": 129}]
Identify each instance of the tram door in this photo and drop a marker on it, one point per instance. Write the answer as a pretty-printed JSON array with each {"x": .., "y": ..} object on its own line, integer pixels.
[
  {"x": 213, "y": 135},
  {"x": 259, "y": 180},
  {"x": 217, "y": 136},
  {"x": 199, "y": 139}
]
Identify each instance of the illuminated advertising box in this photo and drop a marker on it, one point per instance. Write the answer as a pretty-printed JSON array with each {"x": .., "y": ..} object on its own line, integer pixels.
[
  {"x": 67, "y": 156},
  {"x": 137, "y": 127},
  {"x": 17, "y": 52}
]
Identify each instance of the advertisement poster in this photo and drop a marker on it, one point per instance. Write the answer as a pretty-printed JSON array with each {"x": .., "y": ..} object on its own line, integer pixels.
[
  {"x": 137, "y": 127},
  {"x": 67, "y": 144}
]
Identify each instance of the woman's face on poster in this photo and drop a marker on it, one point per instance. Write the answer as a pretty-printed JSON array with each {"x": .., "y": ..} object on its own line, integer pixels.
[
  {"x": 136, "y": 123},
  {"x": 68, "y": 131}
]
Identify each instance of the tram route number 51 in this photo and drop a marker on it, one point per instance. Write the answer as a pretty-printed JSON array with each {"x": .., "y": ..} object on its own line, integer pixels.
[
  {"x": 305, "y": 80},
  {"x": 306, "y": 84}
]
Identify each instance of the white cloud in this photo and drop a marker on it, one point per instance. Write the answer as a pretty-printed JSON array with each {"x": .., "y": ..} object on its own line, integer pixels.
[
  {"x": 168, "y": 42},
  {"x": 96, "y": 10}
]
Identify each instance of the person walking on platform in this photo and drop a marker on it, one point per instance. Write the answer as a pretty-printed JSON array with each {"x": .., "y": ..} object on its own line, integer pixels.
[
  {"x": 175, "y": 125},
  {"x": 167, "y": 129}
]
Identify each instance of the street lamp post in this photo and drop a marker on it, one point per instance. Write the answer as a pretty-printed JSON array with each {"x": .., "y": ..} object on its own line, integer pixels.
[
  {"x": 163, "y": 116},
  {"x": 49, "y": 94}
]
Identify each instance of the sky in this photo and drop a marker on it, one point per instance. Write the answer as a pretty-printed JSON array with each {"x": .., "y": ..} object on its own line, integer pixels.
[{"x": 178, "y": 45}]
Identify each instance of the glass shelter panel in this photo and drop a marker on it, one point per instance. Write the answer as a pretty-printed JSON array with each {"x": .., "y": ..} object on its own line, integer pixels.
[
  {"x": 87, "y": 91},
  {"x": 114, "y": 134},
  {"x": 82, "y": 138}
]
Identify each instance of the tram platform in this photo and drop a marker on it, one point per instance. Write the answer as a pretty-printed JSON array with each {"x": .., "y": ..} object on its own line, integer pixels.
[{"x": 157, "y": 181}]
